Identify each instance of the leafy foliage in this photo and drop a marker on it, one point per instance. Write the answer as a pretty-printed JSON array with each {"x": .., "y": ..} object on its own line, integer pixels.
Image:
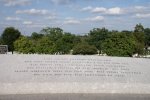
[
  {"x": 1, "y": 41},
  {"x": 9, "y": 36},
  {"x": 119, "y": 45},
  {"x": 24, "y": 45},
  {"x": 53, "y": 33},
  {"x": 55, "y": 40},
  {"x": 140, "y": 37},
  {"x": 147, "y": 37},
  {"x": 139, "y": 28},
  {"x": 44, "y": 46},
  {"x": 36, "y": 36},
  {"x": 65, "y": 43},
  {"x": 84, "y": 49},
  {"x": 97, "y": 36}
]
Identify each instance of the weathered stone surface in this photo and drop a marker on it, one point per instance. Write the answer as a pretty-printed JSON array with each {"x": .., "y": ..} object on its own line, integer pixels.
[{"x": 49, "y": 74}]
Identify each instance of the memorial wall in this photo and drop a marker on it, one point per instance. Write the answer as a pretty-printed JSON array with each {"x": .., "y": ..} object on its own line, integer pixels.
[
  {"x": 74, "y": 69},
  {"x": 42, "y": 77}
]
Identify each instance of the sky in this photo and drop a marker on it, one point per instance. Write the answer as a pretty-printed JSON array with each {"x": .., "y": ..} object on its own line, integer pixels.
[{"x": 75, "y": 16}]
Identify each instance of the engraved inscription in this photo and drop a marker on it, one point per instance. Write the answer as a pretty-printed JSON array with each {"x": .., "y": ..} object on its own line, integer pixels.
[
  {"x": 67, "y": 68},
  {"x": 50, "y": 67}
]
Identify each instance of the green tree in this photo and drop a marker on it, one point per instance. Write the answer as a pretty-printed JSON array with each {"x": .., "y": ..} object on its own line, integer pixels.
[
  {"x": 24, "y": 45},
  {"x": 68, "y": 38},
  {"x": 77, "y": 40},
  {"x": 1, "y": 42},
  {"x": 140, "y": 37},
  {"x": 62, "y": 47},
  {"x": 127, "y": 33},
  {"x": 84, "y": 49},
  {"x": 147, "y": 37},
  {"x": 36, "y": 36},
  {"x": 97, "y": 36},
  {"x": 119, "y": 44},
  {"x": 9, "y": 36},
  {"x": 44, "y": 46},
  {"x": 53, "y": 33},
  {"x": 147, "y": 40},
  {"x": 65, "y": 44},
  {"x": 139, "y": 28}
]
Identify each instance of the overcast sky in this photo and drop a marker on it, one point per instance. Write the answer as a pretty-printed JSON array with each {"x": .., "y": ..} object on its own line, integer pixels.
[{"x": 75, "y": 16}]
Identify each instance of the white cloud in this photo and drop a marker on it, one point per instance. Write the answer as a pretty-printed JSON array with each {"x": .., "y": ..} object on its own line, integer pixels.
[
  {"x": 140, "y": 7},
  {"x": 141, "y": 12},
  {"x": 99, "y": 10},
  {"x": 30, "y": 24},
  {"x": 142, "y": 15},
  {"x": 95, "y": 19},
  {"x": 86, "y": 8},
  {"x": 114, "y": 11},
  {"x": 36, "y": 26},
  {"x": 51, "y": 17},
  {"x": 69, "y": 18},
  {"x": 137, "y": 10},
  {"x": 12, "y": 19},
  {"x": 15, "y": 2},
  {"x": 71, "y": 21},
  {"x": 33, "y": 12},
  {"x": 102, "y": 10},
  {"x": 27, "y": 22}
]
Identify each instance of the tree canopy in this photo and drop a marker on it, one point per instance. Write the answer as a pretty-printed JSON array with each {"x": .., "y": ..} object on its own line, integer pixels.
[
  {"x": 44, "y": 46},
  {"x": 24, "y": 45},
  {"x": 97, "y": 36},
  {"x": 84, "y": 49},
  {"x": 1, "y": 41},
  {"x": 53, "y": 33},
  {"x": 36, "y": 36},
  {"x": 119, "y": 44},
  {"x": 139, "y": 37},
  {"x": 147, "y": 37},
  {"x": 55, "y": 40},
  {"x": 9, "y": 36}
]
